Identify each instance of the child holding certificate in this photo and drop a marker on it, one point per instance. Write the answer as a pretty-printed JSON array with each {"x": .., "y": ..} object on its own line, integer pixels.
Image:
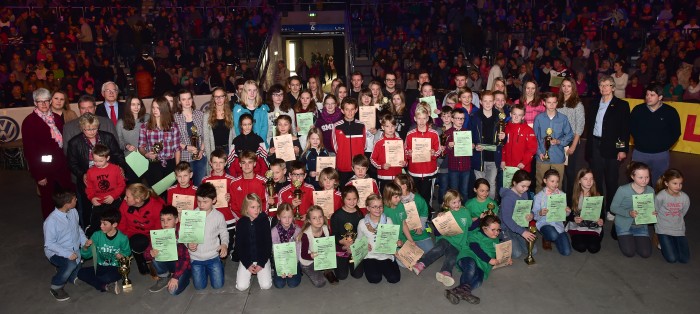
[
  {"x": 301, "y": 196},
  {"x": 377, "y": 265},
  {"x": 387, "y": 147},
  {"x": 304, "y": 105},
  {"x": 360, "y": 167},
  {"x": 427, "y": 149},
  {"x": 372, "y": 133},
  {"x": 247, "y": 141},
  {"x": 479, "y": 205},
  {"x": 551, "y": 230},
  {"x": 672, "y": 204},
  {"x": 314, "y": 149},
  {"x": 511, "y": 229},
  {"x": 218, "y": 176},
  {"x": 447, "y": 245},
  {"x": 248, "y": 182},
  {"x": 206, "y": 257},
  {"x": 585, "y": 234},
  {"x": 284, "y": 126},
  {"x": 180, "y": 193},
  {"x": 314, "y": 227},
  {"x": 175, "y": 275},
  {"x": 459, "y": 166},
  {"x": 348, "y": 139},
  {"x": 521, "y": 144},
  {"x": 394, "y": 209},
  {"x": 254, "y": 245},
  {"x": 285, "y": 231},
  {"x": 328, "y": 178},
  {"x": 344, "y": 225},
  {"x": 631, "y": 237},
  {"x": 110, "y": 245}
]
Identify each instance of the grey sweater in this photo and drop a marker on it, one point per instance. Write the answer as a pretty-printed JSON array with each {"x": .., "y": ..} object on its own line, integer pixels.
[
  {"x": 130, "y": 137},
  {"x": 622, "y": 205},
  {"x": 670, "y": 211},
  {"x": 576, "y": 116}
]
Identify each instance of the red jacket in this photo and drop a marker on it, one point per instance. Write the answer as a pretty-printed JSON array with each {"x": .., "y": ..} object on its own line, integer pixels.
[
  {"x": 520, "y": 146},
  {"x": 141, "y": 220},
  {"x": 235, "y": 168},
  {"x": 307, "y": 199},
  {"x": 229, "y": 216},
  {"x": 176, "y": 189},
  {"x": 241, "y": 187},
  {"x": 348, "y": 140},
  {"x": 375, "y": 190},
  {"x": 423, "y": 169},
  {"x": 101, "y": 182},
  {"x": 378, "y": 159}
]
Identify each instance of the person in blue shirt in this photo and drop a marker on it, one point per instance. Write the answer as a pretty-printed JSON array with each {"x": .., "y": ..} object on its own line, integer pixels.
[
  {"x": 252, "y": 103},
  {"x": 562, "y": 135}
]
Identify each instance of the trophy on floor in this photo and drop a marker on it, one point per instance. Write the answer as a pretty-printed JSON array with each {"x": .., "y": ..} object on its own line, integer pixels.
[
  {"x": 489, "y": 209},
  {"x": 531, "y": 245},
  {"x": 194, "y": 141},
  {"x": 349, "y": 235},
  {"x": 124, "y": 269},
  {"x": 501, "y": 127},
  {"x": 297, "y": 196},
  {"x": 156, "y": 149},
  {"x": 547, "y": 144}
]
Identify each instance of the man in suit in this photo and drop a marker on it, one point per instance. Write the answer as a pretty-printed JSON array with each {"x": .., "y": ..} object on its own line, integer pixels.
[
  {"x": 110, "y": 108},
  {"x": 608, "y": 140}
]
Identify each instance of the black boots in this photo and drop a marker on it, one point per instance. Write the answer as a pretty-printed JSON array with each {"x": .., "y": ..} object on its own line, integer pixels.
[{"x": 461, "y": 292}]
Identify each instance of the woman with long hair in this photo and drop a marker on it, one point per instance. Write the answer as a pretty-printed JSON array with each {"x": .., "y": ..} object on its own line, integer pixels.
[
  {"x": 218, "y": 124},
  {"x": 159, "y": 141},
  {"x": 569, "y": 104}
]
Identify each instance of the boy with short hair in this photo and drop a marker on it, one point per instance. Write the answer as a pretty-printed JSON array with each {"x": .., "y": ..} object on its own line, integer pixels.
[
  {"x": 286, "y": 194},
  {"x": 520, "y": 142},
  {"x": 217, "y": 160},
  {"x": 175, "y": 275},
  {"x": 348, "y": 138},
  {"x": 486, "y": 156},
  {"x": 62, "y": 240},
  {"x": 110, "y": 246},
  {"x": 442, "y": 176},
  {"x": 104, "y": 185},
  {"x": 183, "y": 187},
  {"x": 360, "y": 165},
  {"x": 458, "y": 168},
  {"x": 385, "y": 172},
  {"x": 206, "y": 257},
  {"x": 423, "y": 173},
  {"x": 279, "y": 176},
  {"x": 561, "y": 136},
  {"x": 248, "y": 182}
]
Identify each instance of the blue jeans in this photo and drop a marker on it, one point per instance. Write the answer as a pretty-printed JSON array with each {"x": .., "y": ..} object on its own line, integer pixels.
[
  {"x": 472, "y": 275},
  {"x": 459, "y": 180},
  {"x": 674, "y": 249},
  {"x": 101, "y": 277},
  {"x": 199, "y": 170},
  {"x": 519, "y": 243},
  {"x": 561, "y": 240},
  {"x": 443, "y": 182},
  {"x": 280, "y": 282},
  {"x": 163, "y": 269},
  {"x": 442, "y": 247},
  {"x": 67, "y": 271},
  {"x": 212, "y": 269}
]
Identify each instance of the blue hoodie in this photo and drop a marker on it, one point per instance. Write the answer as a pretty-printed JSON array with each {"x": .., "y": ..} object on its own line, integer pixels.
[
  {"x": 508, "y": 199},
  {"x": 260, "y": 121}
]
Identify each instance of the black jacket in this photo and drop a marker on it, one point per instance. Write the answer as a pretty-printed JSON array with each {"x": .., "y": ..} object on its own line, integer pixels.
[
  {"x": 616, "y": 127},
  {"x": 254, "y": 240},
  {"x": 78, "y": 158}
]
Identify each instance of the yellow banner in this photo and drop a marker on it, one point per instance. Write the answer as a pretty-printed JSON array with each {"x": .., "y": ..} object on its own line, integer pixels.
[{"x": 689, "y": 142}]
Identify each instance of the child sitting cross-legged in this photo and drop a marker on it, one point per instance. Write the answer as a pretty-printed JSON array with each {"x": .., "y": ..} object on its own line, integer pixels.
[
  {"x": 110, "y": 246},
  {"x": 175, "y": 275}
]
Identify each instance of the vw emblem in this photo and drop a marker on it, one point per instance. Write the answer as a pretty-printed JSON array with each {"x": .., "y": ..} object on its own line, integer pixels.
[{"x": 9, "y": 129}]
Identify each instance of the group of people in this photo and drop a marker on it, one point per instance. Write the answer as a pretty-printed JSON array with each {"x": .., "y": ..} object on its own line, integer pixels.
[{"x": 256, "y": 168}]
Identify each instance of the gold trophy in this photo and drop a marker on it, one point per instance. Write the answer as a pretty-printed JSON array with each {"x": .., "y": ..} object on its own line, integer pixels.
[
  {"x": 297, "y": 195},
  {"x": 530, "y": 246},
  {"x": 270, "y": 186},
  {"x": 156, "y": 149},
  {"x": 124, "y": 269},
  {"x": 547, "y": 144},
  {"x": 619, "y": 143},
  {"x": 489, "y": 209},
  {"x": 443, "y": 139},
  {"x": 501, "y": 127},
  {"x": 349, "y": 235},
  {"x": 194, "y": 141}
]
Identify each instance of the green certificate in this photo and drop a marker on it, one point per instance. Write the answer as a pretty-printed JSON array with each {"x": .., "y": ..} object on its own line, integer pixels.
[
  {"x": 325, "y": 253},
  {"x": 590, "y": 208},
  {"x": 164, "y": 184},
  {"x": 644, "y": 205},
  {"x": 508, "y": 173},
  {"x": 165, "y": 242},
  {"x": 463, "y": 143},
  {"x": 192, "y": 226},
  {"x": 137, "y": 163},
  {"x": 305, "y": 121},
  {"x": 556, "y": 207},
  {"x": 385, "y": 240},
  {"x": 430, "y": 100},
  {"x": 359, "y": 250},
  {"x": 488, "y": 147},
  {"x": 522, "y": 208},
  {"x": 285, "y": 258}
]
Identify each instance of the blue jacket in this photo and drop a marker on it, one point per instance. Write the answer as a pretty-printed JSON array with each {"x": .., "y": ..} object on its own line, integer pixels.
[
  {"x": 476, "y": 126},
  {"x": 260, "y": 117},
  {"x": 561, "y": 130}
]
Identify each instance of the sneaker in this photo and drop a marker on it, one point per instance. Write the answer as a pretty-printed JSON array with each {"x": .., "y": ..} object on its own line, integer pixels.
[
  {"x": 161, "y": 284},
  {"x": 610, "y": 217},
  {"x": 418, "y": 268},
  {"x": 115, "y": 287},
  {"x": 60, "y": 294},
  {"x": 76, "y": 281},
  {"x": 445, "y": 278}
]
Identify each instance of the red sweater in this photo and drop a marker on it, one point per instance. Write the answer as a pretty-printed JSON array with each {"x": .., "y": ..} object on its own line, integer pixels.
[
  {"x": 229, "y": 216},
  {"x": 241, "y": 187},
  {"x": 141, "y": 220},
  {"x": 307, "y": 199},
  {"x": 378, "y": 159},
  {"x": 260, "y": 167},
  {"x": 423, "y": 169},
  {"x": 176, "y": 189},
  {"x": 520, "y": 146},
  {"x": 101, "y": 182},
  {"x": 348, "y": 141}
]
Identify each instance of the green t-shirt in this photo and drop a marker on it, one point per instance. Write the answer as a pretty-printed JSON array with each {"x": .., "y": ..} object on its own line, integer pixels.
[
  {"x": 485, "y": 243},
  {"x": 107, "y": 248},
  {"x": 475, "y": 207},
  {"x": 397, "y": 215},
  {"x": 464, "y": 221}
]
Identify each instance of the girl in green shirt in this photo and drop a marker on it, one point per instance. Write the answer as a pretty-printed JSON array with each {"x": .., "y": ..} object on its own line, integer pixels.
[{"x": 479, "y": 205}]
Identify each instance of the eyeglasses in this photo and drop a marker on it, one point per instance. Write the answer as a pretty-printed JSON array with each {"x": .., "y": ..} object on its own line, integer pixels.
[
  {"x": 110, "y": 90},
  {"x": 43, "y": 102},
  {"x": 219, "y": 96},
  {"x": 90, "y": 129}
]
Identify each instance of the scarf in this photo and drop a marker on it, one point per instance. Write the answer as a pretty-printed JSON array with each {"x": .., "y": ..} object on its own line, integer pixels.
[
  {"x": 408, "y": 198},
  {"x": 331, "y": 117},
  {"x": 371, "y": 226},
  {"x": 285, "y": 235},
  {"x": 48, "y": 119},
  {"x": 90, "y": 145}
]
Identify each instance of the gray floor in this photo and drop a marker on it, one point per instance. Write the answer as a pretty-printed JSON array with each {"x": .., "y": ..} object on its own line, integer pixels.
[{"x": 605, "y": 282}]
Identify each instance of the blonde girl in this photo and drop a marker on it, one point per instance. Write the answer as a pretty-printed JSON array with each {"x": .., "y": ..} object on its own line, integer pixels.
[
  {"x": 252, "y": 103},
  {"x": 254, "y": 257},
  {"x": 377, "y": 265},
  {"x": 314, "y": 227}
]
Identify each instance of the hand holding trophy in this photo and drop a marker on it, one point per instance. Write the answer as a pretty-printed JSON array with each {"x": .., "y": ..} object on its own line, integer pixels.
[
  {"x": 194, "y": 141},
  {"x": 547, "y": 144},
  {"x": 156, "y": 149}
]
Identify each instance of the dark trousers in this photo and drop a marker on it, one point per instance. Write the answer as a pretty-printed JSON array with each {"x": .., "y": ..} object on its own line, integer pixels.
[
  {"x": 606, "y": 172},
  {"x": 139, "y": 243},
  {"x": 586, "y": 242},
  {"x": 96, "y": 215},
  {"x": 375, "y": 269},
  {"x": 424, "y": 187},
  {"x": 101, "y": 277},
  {"x": 344, "y": 267}
]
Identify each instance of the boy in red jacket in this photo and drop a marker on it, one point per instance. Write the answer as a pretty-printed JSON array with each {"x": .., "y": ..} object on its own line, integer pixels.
[
  {"x": 183, "y": 194},
  {"x": 248, "y": 182},
  {"x": 348, "y": 139},
  {"x": 297, "y": 172},
  {"x": 520, "y": 143},
  {"x": 386, "y": 172},
  {"x": 423, "y": 172},
  {"x": 104, "y": 186}
]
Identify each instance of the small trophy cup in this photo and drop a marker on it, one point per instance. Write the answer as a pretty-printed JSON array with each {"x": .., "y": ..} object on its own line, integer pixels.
[
  {"x": 619, "y": 143},
  {"x": 489, "y": 209},
  {"x": 547, "y": 144},
  {"x": 124, "y": 269},
  {"x": 297, "y": 195},
  {"x": 156, "y": 149},
  {"x": 501, "y": 127},
  {"x": 349, "y": 235},
  {"x": 194, "y": 141},
  {"x": 531, "y": 245},
  {"x": 270, "y": 187}
]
